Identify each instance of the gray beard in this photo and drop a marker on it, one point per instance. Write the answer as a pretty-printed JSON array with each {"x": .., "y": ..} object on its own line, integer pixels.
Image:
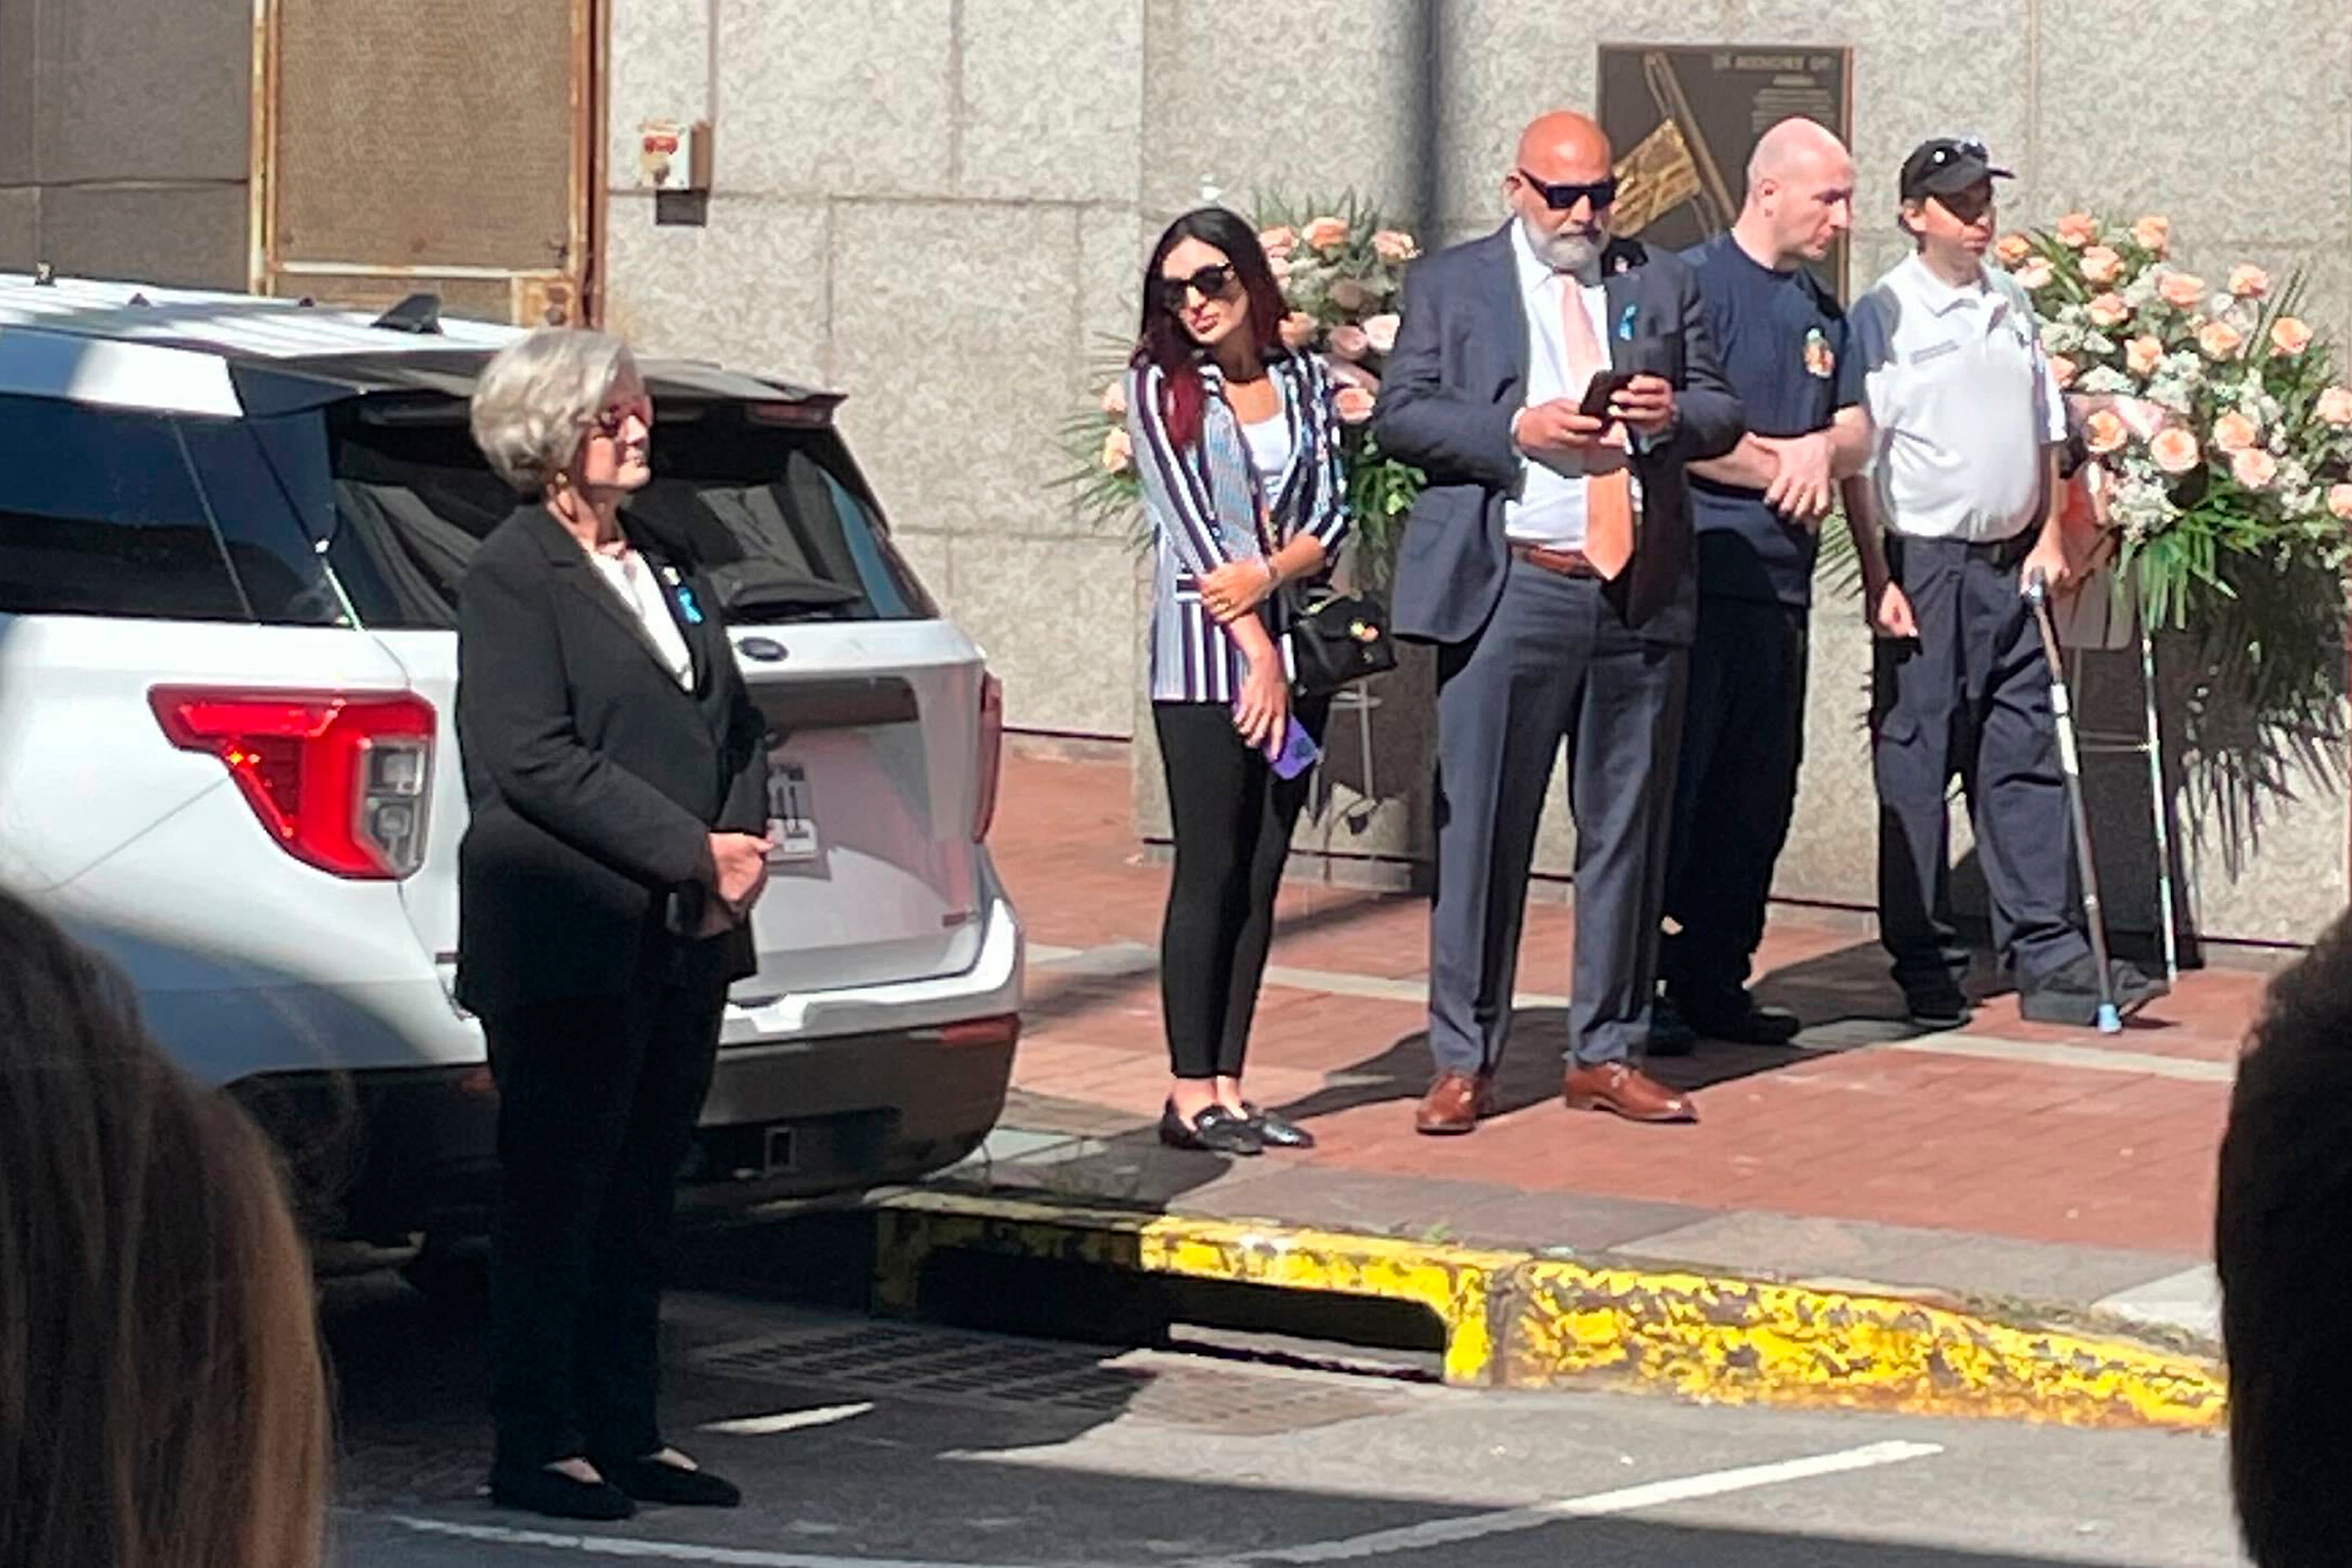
[{"x": 1566, "y": 251}]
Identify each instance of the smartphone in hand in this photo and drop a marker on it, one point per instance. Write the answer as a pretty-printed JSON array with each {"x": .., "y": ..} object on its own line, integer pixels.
[
  {"x": 1296, "y": 754},
  {"x": 1605, "y": 385}
]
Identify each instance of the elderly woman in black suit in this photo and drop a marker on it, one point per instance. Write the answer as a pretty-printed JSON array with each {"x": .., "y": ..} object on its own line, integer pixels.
[{"x": 616, "y": 777}]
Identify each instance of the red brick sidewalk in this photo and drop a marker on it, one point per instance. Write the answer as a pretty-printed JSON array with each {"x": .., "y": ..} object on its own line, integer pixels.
[{"x": 2005, "y": 1130}]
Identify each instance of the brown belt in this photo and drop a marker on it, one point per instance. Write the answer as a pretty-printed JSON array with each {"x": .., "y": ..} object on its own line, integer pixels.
[{"x": 1566, "y": 562}]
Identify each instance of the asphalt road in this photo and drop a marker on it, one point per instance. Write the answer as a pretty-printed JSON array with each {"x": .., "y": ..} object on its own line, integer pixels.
[{"x": 864, "y": 1443}]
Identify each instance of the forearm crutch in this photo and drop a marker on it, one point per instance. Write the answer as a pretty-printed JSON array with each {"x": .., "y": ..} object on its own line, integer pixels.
[{"x": 2061, "y": 709}]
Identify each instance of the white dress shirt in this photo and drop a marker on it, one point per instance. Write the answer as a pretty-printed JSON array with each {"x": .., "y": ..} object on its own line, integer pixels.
[
  {"x": 1964, "y": 402},
  {"x": 632, "y": 577},
  {"x": 1550, "y": 506}
]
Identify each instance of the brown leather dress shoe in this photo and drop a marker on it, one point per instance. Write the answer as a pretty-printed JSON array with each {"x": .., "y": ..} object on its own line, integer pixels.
[
  {"x": 1630, "y": 1093},
  {"x": 1454, "y": 1103}
]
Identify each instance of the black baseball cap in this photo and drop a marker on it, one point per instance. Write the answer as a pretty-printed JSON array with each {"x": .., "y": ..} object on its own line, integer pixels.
[{"x": 1946, "y": 165}]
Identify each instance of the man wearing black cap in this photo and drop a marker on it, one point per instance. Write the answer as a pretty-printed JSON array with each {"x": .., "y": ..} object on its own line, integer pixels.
[{"x": 1960, "y": 510}]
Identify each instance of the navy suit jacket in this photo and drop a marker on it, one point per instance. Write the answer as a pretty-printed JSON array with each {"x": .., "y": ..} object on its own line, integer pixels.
[{"x": 1459, "y": 374}]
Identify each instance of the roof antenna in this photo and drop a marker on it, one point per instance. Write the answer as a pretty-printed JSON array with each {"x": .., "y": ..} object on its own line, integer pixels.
[
  {"x": 418, "y": 313},
  {"x": 45, "y": 275}
]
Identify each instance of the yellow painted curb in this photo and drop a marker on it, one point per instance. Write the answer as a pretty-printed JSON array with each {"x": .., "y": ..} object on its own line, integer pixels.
[{"x": 1513, "y": 1319}]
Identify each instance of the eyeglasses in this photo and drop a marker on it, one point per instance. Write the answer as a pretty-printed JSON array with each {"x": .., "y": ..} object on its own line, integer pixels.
[
  {"x": 1213, "y": 282},
  {"x": 613, "y": 420},
  {"x": 1560, "y": 198}
]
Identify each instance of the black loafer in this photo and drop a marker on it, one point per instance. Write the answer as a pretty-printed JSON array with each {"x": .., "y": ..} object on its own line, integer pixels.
[
  {"x": 1743, "y": 1023},
  {"x": 1216, "y": 1130},
  {"x": 1276, "y": 1131},
  {"x": 656, "y": 1480},
  {"x": 1937, "y": 1007},
  {"x": 559, "y": 1496}
]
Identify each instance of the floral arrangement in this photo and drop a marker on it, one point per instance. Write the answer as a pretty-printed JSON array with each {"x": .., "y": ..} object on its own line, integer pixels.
[
  {"x": 2213, "y": 412},
  {"x": 1341, "y": 269},
  {"x": 2222, "y": 444}
]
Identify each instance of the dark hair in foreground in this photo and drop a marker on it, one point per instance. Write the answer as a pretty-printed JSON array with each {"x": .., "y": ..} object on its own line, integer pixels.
[
  {"x": 2283, "y": 1243},
  {"x": 1162, "y": 341},
  {"x": 162, "y": 1403}
]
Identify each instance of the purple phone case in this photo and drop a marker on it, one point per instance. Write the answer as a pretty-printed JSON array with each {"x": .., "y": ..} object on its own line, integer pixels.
[{"x": 1299, "y": 753}]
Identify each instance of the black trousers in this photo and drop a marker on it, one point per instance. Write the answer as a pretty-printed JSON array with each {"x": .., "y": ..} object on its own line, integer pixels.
[
  {"x": 1970, "y": 696},
  {"x": 1233, "y": 820},
  {"x": 1742, "y": 746},
  {"x": 597, "y": 1105}
]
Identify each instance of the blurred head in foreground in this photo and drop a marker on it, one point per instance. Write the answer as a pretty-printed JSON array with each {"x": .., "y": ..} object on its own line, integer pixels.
[
  {"x": 2283, "y": 1242},
  {"x": 162, "y": 1403}
]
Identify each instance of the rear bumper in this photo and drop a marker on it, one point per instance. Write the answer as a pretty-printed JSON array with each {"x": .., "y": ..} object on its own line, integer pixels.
[{"x": 904, "y": 1080}]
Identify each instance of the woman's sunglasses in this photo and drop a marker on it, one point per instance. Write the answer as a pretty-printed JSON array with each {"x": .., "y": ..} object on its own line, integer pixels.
[
  {"x": 1213, "y": 282},
  {"x": 611, "y": 422}
]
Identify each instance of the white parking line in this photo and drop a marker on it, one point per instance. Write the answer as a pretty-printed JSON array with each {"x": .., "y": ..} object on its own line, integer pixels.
[
  {"x": 1379, "y": 1544},
  {"x": 1625, "y": 1500},
  {"x": 786, "y": 1420}
]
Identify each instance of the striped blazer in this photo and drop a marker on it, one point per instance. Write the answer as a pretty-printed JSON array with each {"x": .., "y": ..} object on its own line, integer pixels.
[{"x": 1207, "y": 508}]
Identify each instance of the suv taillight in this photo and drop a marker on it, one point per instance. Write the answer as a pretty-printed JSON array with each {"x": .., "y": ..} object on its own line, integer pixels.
[
  {"x": 339, "y": 780},
  {"x": 991, "y": 754}
]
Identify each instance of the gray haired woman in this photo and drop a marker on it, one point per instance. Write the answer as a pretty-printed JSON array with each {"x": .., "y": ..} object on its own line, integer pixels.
[{"x": 618, "y": 784}]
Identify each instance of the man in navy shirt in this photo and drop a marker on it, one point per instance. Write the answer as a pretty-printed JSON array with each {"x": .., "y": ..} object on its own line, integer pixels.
[{"x": 1758, "y": 511}]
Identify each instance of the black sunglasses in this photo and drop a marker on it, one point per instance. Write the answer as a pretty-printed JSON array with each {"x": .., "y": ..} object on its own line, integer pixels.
[
  {"x": 1213, "y": 282},
  {"x": 1559, "y": 198}
]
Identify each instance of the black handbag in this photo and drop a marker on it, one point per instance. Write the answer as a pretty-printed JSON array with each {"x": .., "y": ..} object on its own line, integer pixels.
[{"x": 1337, "y": 639}]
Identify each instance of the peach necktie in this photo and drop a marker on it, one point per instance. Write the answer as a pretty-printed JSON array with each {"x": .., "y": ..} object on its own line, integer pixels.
[{"x": 1607, "y": 497}]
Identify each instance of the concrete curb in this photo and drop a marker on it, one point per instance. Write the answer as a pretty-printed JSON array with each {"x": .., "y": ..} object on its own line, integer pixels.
[{"x": 1519, "y": 1320}]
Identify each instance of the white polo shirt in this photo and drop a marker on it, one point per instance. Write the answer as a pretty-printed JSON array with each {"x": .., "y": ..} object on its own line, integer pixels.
[
  {"x": 1549, "y": 507},
  {"x": 1963, "y": 400}
]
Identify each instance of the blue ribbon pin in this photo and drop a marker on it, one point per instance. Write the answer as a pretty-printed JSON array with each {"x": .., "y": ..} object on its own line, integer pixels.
[
  {"x": 687, "y": 608},
  {"x": 1625, "y": 324}
]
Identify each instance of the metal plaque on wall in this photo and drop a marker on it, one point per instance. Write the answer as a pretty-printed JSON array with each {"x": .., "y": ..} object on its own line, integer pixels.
[{"x": 1684, "y": 120}]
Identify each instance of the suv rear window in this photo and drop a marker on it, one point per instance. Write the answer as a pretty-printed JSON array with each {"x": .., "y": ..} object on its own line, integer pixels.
[{"x": 776, "y": 514}]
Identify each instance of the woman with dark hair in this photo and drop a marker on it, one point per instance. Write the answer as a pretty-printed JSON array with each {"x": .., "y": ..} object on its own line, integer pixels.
[
  {"x": 1237, "y": 443},
  {"x": 163, "y": 1402}
]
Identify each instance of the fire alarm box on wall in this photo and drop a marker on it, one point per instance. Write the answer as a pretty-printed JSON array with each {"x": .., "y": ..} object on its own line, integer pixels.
[{"x": 673, "y": 157}]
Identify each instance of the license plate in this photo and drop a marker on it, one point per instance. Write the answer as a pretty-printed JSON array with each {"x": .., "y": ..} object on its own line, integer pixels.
[{"x": 792, "y": 818}]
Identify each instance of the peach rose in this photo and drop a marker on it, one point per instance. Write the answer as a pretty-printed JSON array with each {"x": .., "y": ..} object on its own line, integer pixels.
[
  {"x": 1350, "y": 295},
  {"x": 1355, "y": 404},
  {"x": 1394, "y": 244},
  {"x": 2105, "y": 432},
  {"x": 2289, "y": 336},
  {"x": 2012, "y": 249},
  {"x": 1382, "y": 331},
  {"x": 2249, "y": 282},
  {"x": 1114, "y": 399},
  {"x": 2035, "y": 274},
  {"x": 1280, "y": 267},
  {"x": 2102, "y": 264},
  {"x": 2233, "y": 432},
  {"x": 1277, "y": 242},
  {"x": 2108, "y": 312},
  {"x": 2065, "y": 369},
  {"x": 2153, "y": 232},
  {"x": 2334, "y": 405},
  {"x": 2077, "y": 230},
  {"x": 2182, "y": 290},
  {"x": 2175, "y": 450},
  {"x": 1298, "y": 330},
  {"x": 1117, "y": 452},
  {"x": 2339, "y": 501},
  {"x": 2220, "y": 340},
  {"x": 1351, "y": 341},
  {"x": 2144, "y": 354},
  {"x": 2254, "y": 470},
  {"x": 1328, "y": 233}
]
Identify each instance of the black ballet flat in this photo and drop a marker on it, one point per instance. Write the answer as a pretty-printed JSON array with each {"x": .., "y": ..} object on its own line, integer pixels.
[
  {"x": 559, "y": 1496},
  {"x": 1216, "y": 1130},
  {"x": 1278, "y": 1132},
  {"x": 656, "y": 1480}
]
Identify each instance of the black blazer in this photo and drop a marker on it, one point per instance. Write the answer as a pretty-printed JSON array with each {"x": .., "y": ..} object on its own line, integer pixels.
[
  {"x": 1458, "y": 374},
  {"x": 594, "y": 778}
]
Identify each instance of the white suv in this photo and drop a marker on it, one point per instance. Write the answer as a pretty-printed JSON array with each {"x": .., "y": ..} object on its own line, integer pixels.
[{"x": 231, "y": 532}]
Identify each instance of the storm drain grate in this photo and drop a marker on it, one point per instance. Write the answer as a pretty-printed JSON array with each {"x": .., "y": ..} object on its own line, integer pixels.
[{"x": 998, "y": 1372}]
